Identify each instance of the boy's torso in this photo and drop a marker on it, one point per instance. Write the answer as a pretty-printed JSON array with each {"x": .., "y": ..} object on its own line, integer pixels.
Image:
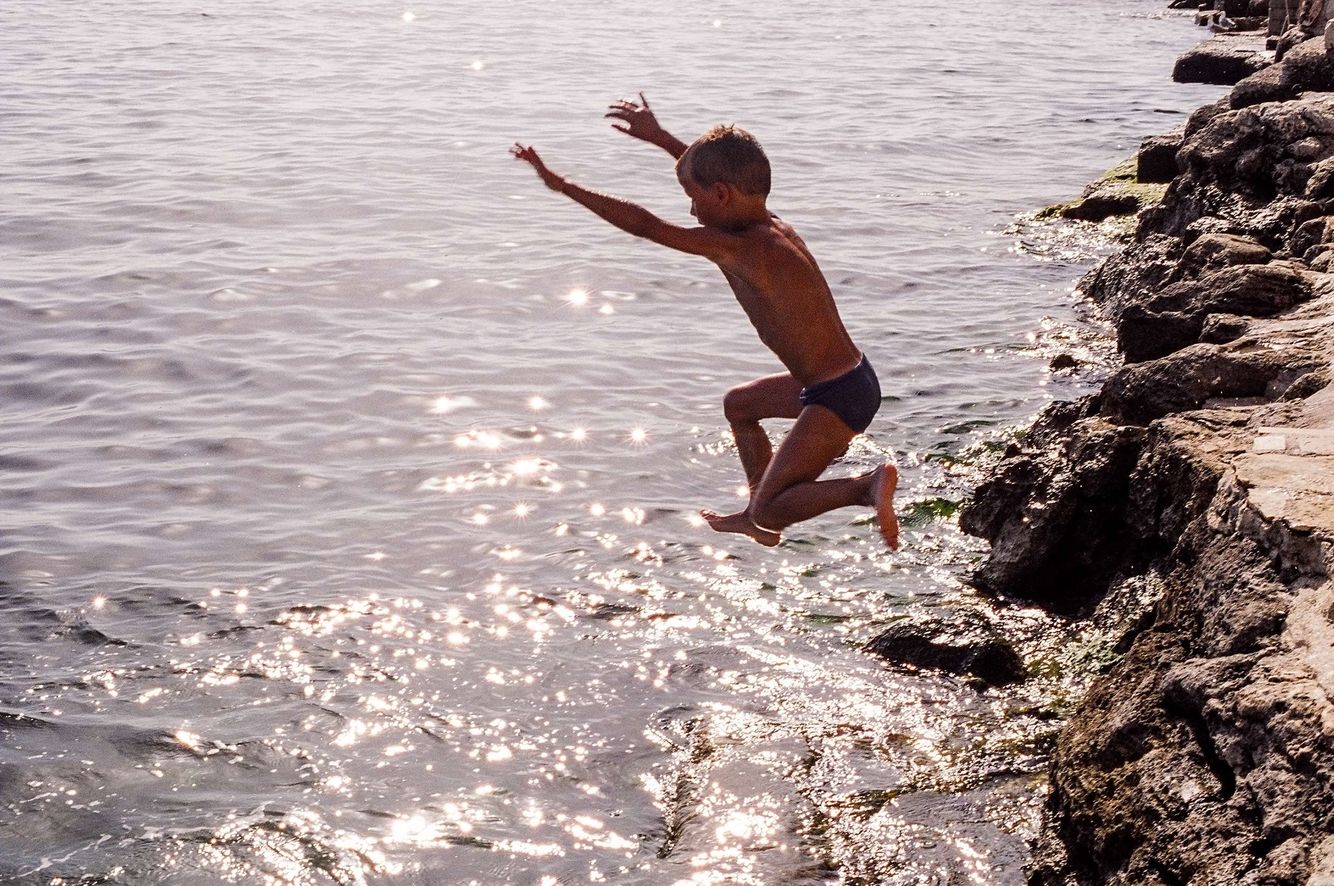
[{"x": 780, "y": 287}]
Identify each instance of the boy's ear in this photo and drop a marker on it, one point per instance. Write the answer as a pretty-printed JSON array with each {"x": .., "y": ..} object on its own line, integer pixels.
[{"x": 721, "y": 192}]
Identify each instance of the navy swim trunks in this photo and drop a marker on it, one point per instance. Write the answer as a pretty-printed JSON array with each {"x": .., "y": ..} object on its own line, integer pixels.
[{"x": 854, "y": 396}]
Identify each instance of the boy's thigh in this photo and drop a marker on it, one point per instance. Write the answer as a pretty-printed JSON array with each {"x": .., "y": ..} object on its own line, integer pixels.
[
  {"x": 770, "y": 396},
  {"x": 818, "y": 437}
]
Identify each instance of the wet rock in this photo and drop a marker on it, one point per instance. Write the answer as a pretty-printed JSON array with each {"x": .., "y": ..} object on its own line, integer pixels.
[
  {"x": 1062, "y": 361},
  {"x": 1101, "y": 205},
  {"x": 1118, "y": 192},
  {"x": 957, "y": 644},
  {"x": 1055, "y": 517},
  {"x": 1222, "y": 60}
]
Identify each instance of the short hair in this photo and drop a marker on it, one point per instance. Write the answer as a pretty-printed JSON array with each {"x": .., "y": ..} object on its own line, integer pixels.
[{"x": 729, "y": 155}]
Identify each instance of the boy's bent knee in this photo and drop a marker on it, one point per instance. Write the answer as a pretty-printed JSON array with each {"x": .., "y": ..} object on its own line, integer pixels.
[{"x": 739, "y": 406}]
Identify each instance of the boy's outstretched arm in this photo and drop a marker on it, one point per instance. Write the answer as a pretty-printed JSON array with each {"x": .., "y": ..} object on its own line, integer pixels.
[
  {"x": 718, "y": 246},
  {"x": 642, "y": 124}
]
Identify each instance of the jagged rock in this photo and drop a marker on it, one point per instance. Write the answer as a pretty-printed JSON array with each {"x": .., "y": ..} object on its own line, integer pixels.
[
  {"x": 1054, "y": 517},
  {"x": 1173, "y": 482},
  {"x": 1144, "y": 267},
  {"x": 1157, "y": 157},
  {"x": 1198, "y": 481},
  {"x": 1266, "y": 85},
  {"x": 1312, "y": 237},
  {"x": 1324, "y": 261},
  {"x": 1320, "y": 186},
  {"x": 1247, "y": 172},
  {"x": 1204, "y": 754},
  {"x": 1222, "y": 60},
  {"x": 966, "y": 646},
  {"x": 1249, "y": 289}
]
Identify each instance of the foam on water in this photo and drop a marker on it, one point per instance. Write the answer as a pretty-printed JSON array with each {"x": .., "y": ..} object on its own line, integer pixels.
[{"x": 349, "y": 478}]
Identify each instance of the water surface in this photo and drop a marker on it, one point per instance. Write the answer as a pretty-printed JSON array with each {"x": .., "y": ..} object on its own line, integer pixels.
[{"x": 347, "y": 476}]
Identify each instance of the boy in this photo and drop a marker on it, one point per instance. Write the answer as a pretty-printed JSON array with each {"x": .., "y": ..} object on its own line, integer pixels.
[{"x": 829, "y": 388}]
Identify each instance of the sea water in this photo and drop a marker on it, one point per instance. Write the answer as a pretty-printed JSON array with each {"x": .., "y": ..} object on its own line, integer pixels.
[{"x": 349, "y": 478}]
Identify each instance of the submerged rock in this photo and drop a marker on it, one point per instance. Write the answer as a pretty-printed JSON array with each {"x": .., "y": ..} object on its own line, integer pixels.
[{"x": 962, "y": 645}]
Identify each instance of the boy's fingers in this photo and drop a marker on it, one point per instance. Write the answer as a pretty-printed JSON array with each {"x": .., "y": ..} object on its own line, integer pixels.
[
  {"x": 643, "y": 100},
  {"x": 625, "y": 129}
]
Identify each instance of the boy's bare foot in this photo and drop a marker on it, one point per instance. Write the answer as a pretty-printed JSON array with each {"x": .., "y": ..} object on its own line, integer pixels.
[
  {"x": 882, "y": 492},
  {"x": 740, "y": 523}
]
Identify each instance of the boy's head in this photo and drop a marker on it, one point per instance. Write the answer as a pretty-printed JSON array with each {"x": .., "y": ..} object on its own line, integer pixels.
[{"x": 728, "y": 156}]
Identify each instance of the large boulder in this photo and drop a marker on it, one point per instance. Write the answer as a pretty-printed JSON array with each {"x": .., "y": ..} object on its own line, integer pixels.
[
  {"x": 1055, "y": 517},
  {"x": 1258, "y": 172},
  {"x": 1204, "y": 755}
]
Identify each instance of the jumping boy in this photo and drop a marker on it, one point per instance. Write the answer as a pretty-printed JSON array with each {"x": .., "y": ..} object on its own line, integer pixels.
[{"x": 829, "y": 388}]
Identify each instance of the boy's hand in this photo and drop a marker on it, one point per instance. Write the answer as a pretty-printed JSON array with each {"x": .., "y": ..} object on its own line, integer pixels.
[
  {"x": 639, "y": 117},
  {"x": 528, "y": 155}
]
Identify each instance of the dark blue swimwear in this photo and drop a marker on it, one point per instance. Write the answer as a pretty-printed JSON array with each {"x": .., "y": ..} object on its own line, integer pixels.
[{"x": 854, "y": 396}]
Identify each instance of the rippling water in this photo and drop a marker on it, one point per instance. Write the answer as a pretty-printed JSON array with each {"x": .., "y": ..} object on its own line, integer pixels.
[{"x": 346, "y": 475}]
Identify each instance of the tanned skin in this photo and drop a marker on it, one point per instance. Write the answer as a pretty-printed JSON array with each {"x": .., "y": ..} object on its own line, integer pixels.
[{"x": 780, "y": 287}]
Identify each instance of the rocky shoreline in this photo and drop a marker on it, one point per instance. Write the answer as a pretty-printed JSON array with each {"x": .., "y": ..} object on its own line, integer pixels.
[{"x": 1199, "y": 484}]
